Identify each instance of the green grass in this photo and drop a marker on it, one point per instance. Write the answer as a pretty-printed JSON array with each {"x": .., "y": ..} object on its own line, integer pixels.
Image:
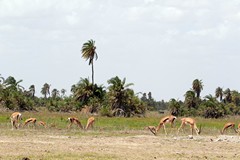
[{"x": 56, "y": 120}]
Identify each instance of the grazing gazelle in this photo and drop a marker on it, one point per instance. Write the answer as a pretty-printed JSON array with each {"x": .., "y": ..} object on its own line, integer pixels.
[
  {"x": 229, "y": 125},
  {"x": 90, "y": 122},
  {"x": 168, "y": 119},
  {"x": 15, "y": 119},
  {"x": 30, "y": 120},
  {"x": 192, "y": 124},
  {"x": 41, "y": 123},
  {"x": 74, "y": 120}
]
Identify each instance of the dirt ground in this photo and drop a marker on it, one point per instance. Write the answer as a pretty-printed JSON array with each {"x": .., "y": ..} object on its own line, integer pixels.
[{"x": 46, "y": 144}]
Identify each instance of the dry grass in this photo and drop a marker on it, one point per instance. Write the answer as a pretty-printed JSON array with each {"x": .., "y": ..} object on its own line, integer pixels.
[{"x": 114, "y": 138}]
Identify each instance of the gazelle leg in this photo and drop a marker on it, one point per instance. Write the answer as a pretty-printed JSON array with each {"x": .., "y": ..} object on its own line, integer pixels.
[
  {"x": 164, "y": 129},
  {"x": 196, "y": 130},
  {"x": 13, "y": 124},
  {"x": 181, "y": 127},
  {"x": 69, "y": 126},
  {"x": 192, "y": 128}
]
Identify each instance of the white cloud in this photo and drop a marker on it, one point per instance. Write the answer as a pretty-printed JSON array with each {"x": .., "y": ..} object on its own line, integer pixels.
[{"x": 149, "y": 42}]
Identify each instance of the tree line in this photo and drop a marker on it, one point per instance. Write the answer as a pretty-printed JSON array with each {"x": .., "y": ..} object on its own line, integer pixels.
[
  {"x": 117, "y": 99},
  {"x": 224, "y": 102}
]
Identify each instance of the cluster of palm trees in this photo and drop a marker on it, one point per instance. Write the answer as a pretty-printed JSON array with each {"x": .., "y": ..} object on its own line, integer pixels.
[
  {"x": 225, "y": 102},
  {"x": 115, "y": 100},
  {"x": 13, "y": 95}
]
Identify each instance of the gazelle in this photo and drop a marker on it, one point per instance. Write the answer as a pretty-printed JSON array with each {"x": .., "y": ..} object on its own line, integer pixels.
[
  {"x": 16, "y": 117},
  {"x": 230, "y": 125},
  {"x": 41, "y": 123},
  {"x": 74, "y": 120},
  {"x": 192, "y": 124},
  {"x": 168, "y": 119},
  {"x": 30, "y": 120},
  {"x": 90, "y": 122}
]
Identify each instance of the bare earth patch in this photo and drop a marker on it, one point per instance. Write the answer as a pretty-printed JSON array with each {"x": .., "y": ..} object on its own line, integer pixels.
[{"x": 62, "y": 145}]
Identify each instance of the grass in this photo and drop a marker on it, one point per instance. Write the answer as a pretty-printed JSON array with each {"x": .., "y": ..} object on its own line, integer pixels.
[
  {"x": 113, "y": 125},
  {"x": 104, "y": 127}
]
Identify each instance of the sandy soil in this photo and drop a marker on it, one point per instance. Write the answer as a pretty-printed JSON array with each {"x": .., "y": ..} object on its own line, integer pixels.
[{"x": 59, "y": 145}]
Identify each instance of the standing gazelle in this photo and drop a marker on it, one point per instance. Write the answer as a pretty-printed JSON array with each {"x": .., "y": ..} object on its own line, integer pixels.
[{"x": 16, "y": 117}]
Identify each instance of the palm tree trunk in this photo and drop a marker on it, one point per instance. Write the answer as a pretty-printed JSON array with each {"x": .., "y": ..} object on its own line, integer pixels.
[{"x": 92, "y": 74}]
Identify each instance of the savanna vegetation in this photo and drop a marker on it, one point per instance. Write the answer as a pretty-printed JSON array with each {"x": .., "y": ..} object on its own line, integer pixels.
[{"x": 116, "y": 99}]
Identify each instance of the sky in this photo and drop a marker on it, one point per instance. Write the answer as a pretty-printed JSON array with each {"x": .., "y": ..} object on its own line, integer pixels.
[{"x": 160, "y": 46}]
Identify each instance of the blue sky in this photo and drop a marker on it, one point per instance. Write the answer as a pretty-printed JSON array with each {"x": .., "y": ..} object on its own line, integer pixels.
[{"x": 160, "y": 46}]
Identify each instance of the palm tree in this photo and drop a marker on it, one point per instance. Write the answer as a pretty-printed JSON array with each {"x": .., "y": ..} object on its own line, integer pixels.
[
  {"x": 1, "y": 79},
  {"x": 219, "y": 93},
  {"x": 63, "y": 91},
  {"x": 190, "y": 99},
  {"x": 174, "y": 107},
  {"x": 228, "y": 95},
  {"x": 211, "y": 108},
  {"x": 45, "y": 90},
  {"x": 55, "y": 93},
  {"x": 86, "y": 94},
  {"x": 32, "y": 90},
  {"x": 12, "y": 84},
  {"x": 119, "y": 93},
  {"x": 89, "y": 53},
  {"x": 197, "y": 87},
  {"x": 82, "y": 91},
  {"x": 236, "y": 97}
]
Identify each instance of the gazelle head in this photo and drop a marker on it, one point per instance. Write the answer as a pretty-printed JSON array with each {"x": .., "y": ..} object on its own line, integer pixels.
[{"x": 152, "y": 129}]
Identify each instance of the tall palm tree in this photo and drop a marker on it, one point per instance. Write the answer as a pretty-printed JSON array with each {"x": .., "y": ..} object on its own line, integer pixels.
[
  {"x": 32, "y": 90},
  {"x": 55, "y": 93},
  {"x": 63, "y": 91},
  {"x": 219, "y": 93},
  {"x": 45, "y": 90},
  {"x": 197, "y": 87},
  {"x": 89, "y": 53}
]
